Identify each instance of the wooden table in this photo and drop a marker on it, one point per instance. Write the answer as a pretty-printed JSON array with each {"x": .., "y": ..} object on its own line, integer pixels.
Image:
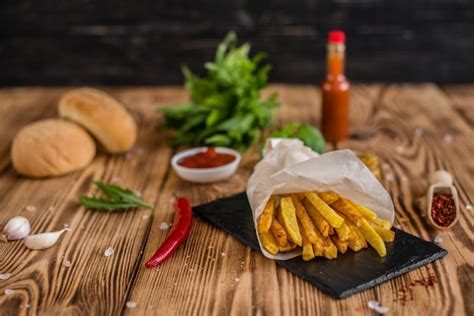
[{"x": 415, "y": 129}]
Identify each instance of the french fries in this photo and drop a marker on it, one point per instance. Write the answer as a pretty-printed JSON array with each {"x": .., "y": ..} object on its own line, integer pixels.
[
  {"x": 288, "y": 214},
  {"x": 318, "y": 219},
  {"x": 279, "y": 233},
  {"x": 329, "y": 197},
  {"x": 307, "y": 252},
  {"x": 364, "y": 211},
  {"x": 343, "y": 206},
  {"x": 321, "y": 224},
  {"x": 269, "y": 243},
  {"x": 265, "y": 220},
  {"x": 326, "y": 211},
  {"x": 304, "y": 219}
]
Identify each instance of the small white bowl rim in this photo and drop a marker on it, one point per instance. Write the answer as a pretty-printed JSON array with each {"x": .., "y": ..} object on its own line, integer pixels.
[{"x": 191, "y": 151}]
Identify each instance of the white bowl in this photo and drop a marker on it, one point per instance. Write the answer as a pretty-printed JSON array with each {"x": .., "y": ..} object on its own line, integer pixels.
[{"x": 205, "y": 175}]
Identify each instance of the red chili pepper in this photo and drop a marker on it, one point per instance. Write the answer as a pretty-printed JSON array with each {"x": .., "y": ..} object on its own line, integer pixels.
[{"x": 183, "y": 219}]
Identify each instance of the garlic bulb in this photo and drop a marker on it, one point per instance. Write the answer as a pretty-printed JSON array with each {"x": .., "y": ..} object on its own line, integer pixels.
[
  {"x": 17, "y": 228},
  {"x": 44, "y": 240}
]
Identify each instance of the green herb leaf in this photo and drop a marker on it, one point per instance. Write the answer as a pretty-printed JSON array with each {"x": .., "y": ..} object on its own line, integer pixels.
[
  {"x": 115, "y": 198},
  {"x": 225, "y": 107}
]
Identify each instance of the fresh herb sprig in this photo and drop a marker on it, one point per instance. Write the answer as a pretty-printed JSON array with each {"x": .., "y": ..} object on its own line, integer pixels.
[
  {"x": 115, "y": 198},
  {"x": 225, "y": 108}
]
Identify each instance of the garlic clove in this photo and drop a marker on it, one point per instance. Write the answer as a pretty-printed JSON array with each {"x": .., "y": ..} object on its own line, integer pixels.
[
  {"x": 44, "y": 240},
  {"x": 16, "y": 228}
]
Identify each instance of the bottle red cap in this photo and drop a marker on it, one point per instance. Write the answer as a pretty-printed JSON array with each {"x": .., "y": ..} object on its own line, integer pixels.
[{"x": 336, "y": 36}]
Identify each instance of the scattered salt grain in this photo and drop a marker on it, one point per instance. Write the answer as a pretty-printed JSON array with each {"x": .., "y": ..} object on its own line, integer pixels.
[
  {"x": 66, "y": 225},
  {"x": 109, "y": 252},
  {"x": 210, "y": 247},
  {"x": 399, "y": 149},
  {"x": 67, "y": 263},
  {"x": 131, "y": 304},
  {"x": 469, "y": 207},
  {"x": 30, "y": 208},
  {"x": 381, "y": 309},
  {"x": 375, "y": 305},
  {"x": 385, "y": 166},
  {"x": 372, "y": 304},
  {"x": 5, "y": 276},
  {"x": 438, "y": 239},
  {"x": 146, "y": 216},
  {"x": 27, "y": 305},
  {"x": 223, "y": 254},
  {"x": 237, "y": 279},
  {"x": 9, "y": 291},
  {"x": 448, "y": 138},
  {"x": 398, "y": 226},
  {"x": 389, "y": 177},
  {"x": 164, "y": 226},
  {"x": 419, "y": 131}
]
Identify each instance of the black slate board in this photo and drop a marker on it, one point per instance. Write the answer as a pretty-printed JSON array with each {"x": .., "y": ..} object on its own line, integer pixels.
[{"x": 367, "y": 269}]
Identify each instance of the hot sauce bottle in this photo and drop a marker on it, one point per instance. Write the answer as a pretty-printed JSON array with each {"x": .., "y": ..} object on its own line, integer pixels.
[{"x": 335, "y": 91}]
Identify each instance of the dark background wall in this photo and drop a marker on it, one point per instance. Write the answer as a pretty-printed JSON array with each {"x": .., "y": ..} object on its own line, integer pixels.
[{"x": 62, "y": 42}]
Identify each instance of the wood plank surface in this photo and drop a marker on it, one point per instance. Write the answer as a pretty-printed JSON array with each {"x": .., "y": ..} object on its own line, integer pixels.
[{"x": 415, "y": 129}]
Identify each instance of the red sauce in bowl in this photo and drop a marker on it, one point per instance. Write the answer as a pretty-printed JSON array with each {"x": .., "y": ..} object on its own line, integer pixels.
[{"x": 207, "y": 159}]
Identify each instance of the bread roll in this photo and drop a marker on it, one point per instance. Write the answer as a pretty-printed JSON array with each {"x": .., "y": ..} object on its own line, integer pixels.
[
  {"x": 106, "y": 119},
  {"x": 50, "y": 148}
]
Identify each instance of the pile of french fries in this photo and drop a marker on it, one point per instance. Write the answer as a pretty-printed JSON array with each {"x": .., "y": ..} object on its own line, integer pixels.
[{"x": 323, "y": 224}]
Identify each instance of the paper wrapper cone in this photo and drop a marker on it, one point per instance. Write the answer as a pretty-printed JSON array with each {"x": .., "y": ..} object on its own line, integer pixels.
[{"x": 290, "y": 167}]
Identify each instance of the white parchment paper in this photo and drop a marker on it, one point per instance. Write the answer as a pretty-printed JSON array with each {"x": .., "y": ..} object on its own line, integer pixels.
[{"x": 290, "y": 167}]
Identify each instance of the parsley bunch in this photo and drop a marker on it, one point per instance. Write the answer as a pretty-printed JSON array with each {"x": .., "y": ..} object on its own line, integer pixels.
[{"x": 225, "y": 108}]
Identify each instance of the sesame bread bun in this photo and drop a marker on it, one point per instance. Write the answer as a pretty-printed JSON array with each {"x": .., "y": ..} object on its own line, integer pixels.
[
  {"x": 50, "y": 148},
  {"x": 103, "y": 116}
]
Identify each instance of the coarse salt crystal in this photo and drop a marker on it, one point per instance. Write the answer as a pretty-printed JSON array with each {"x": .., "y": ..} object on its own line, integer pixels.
[
  {"x": 223, "y": 254},
  {"x": 418, "y": 131},
  {"x": 469, "y": 207},
  {"x": 372, "y": 304},
  {"x": 164, "y": 226},
  {"x": 67, "y": 263},
  {"x": 9, "y": 291},
  {"x": 30, "y": 208},
  {"x": 438, "y": 239},
  {"x": 131, "y": 304},
  {"x": 448, "y": 138},
  {"x": 66, "y": 225},
  {"x": 109, "y": 252},
  {"x": 237, "y": 279},
  {"x": 381, "y": 309},
  {"x": 398, "y": 226},
  {"x": 5, "y": 276}
]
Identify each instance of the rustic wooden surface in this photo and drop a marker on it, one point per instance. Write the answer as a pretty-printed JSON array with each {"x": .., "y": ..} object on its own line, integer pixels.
[{"x": 415, "y": 129}]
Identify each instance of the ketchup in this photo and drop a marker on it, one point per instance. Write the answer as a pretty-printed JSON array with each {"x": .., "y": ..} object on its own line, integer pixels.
[
  {"x": 335, "y": 91},
  {"x": 207, "y": 159}
]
